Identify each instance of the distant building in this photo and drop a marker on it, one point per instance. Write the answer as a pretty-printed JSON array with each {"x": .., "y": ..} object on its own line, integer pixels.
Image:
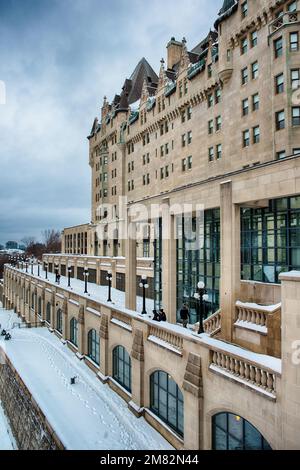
[{"x": 11, "y": 245}]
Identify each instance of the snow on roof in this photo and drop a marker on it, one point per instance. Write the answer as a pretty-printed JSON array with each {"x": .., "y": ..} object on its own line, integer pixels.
[{"x": 87, "y": 415}]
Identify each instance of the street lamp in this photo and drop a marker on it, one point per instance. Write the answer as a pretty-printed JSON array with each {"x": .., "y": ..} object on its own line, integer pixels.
[
  {"x": 31, "y": 263},
  {"x": 69, "y": 275},
  {"x": 46, "y": 270},
  {"x": 144, "y": 285},
  {"x": 86, "y": 275},
  {"x": 109, "y": 278},
  {"x": 26, "y": 265},
  {"x": 201, "y": 296},
  {"x": 56, "y": 272},
  {"x": 39, "y": 263}
]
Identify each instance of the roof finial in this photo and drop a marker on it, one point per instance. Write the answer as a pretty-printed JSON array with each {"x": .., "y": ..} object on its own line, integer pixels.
[
  {"x": 183, "y": 40},
  {"x": 162, "y": 61}
]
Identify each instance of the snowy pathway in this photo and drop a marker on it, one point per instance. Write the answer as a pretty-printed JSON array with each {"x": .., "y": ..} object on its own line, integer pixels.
[
  {"x": 6, "y": 440},
  {"x": 87, "y": 415}
]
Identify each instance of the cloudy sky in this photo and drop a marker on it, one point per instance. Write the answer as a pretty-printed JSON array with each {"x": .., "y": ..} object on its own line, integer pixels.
[{"x": 58, "y": 58}]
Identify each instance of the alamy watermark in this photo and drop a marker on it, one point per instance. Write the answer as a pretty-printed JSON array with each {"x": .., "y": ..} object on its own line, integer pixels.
[{"x": 2, "y": 92}]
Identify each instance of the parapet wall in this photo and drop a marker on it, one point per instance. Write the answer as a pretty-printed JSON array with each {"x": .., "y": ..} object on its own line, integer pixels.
[{"x": 29, "y": 425}]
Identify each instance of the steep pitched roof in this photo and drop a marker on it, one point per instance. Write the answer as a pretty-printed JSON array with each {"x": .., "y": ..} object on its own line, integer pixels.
[
  {"x": 142, "y": 71},
  {"x": 229, "y": 7}
]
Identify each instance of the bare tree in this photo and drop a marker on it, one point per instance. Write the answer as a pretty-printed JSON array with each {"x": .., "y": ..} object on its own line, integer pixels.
[
  {"x": 52, "y": 240},
  {"x": 28, "y": 242}
]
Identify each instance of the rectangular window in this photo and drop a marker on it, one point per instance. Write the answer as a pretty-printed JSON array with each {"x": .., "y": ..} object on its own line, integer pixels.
[
  {"x": 189, "y": 162},
  {"x": 296, "y": 116},
  {"x": 162, "y": 151},
  {"x": 183, "y": 117},
  {"x": 278, "y": 47},
  {"x": 219, "y": 151},
  {"x": 245, "y": 107},
  {"x": 280, "y": 155},
  {"x": 144, "y": 180},
  {"x": 218, "y": 95},
  {"x": 244, "y": 46},
  {"x": 279, "y": 83},
  {"x": 161, "y": 173},
  {"x": 280, "y": 120},
  {"x": 189, "y": 113},
  {"x": 183, "y": 140},
  {"x": 296, "y": 151},
  {"x": 255, "y": 102},
  {"x": 295, "y": 79},
  {"x": 167, "y": 171},
  {"x": 210, "y": 100},
  {"x": 256, "y": 135},
  {"x": 211, "y": 154},
  {"x": 244, "y": 74},
  {"x": 209, "y": 70},
  {"x": 244, "y": 9},
  {"x": 189, "y": 137},
  {"x": 167, "y": 149},
  {"x": 254, "y": 70},
  {"x": 211, "y": 126},
  {"x": 246, "y": 138},
  {"x": 183, "y": 164},
  {"x": 294, "y": 42},
  {"x": 254, "y": 38},
  {"x": 218, "y": 123}
]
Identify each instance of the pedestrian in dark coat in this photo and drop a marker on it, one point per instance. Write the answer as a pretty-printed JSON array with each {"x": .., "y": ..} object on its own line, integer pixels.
[
  {"x": 185, "y": 315},
  {"x": 156, "y": 316},
  {"x": 163, "y": 316}
]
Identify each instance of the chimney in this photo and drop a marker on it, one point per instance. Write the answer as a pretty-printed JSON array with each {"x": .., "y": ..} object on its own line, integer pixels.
[{"x": 174, "y": 52}]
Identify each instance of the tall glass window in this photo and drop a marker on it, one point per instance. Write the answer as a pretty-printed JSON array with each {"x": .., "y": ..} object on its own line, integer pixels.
[
  {"x": 231, "y": 432},
  {"x": 48, "y": 312},
  {"x": 202, "y": 264},
  {"x": 59, "y": 320},
  {"x": 94, "y": 346},
  {"x": 166, "y": 400},
  {"x": 122, "y": 367},
  {"x": 40, "y": 306},
  {"x": 270, "y": 240},
  {"x": 158, "y": 265},
  {"x": 74, "y": 331}
]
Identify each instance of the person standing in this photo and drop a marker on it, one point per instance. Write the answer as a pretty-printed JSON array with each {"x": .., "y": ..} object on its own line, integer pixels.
[
  {"x": 162, "y": 315},
  {"x": 185, "y": 315}
]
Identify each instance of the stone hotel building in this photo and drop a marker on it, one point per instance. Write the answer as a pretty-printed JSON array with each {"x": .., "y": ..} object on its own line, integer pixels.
[{"x": 218, "y": 127}]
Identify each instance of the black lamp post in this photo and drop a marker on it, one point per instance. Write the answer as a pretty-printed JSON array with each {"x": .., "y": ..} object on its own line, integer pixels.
[
  {"x": 109, "y": 279},
  {"x": 69, "y": 275},
  {"x": 144, "y": 285},
  {"x": 201, "y": 296},
  {"x": 31, "y": 263},
  {"x": 26, "y": 265},
  {"x": 86, "y": 276},
  {"x": 56, "y": 272},
  {"x": 46, "y": 270},
  {"x": 39, "y": 263}
]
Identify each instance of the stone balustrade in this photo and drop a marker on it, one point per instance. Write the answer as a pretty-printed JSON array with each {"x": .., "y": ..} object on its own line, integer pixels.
[
  {"x": 167, "y": 337},
  {"x": 255, "y": 314},
  {"x": 245, "y": 371},
  {"x": 212, "y": 325},
  {"x": 287, "y": 18}
]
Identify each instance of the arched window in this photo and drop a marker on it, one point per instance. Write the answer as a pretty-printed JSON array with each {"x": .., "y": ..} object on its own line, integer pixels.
[
  {"x": 74, "y": 331},
  {"x": 40, "y": 306},
  {"x": 166, "y": 400},
  {"x": 48, "y": 312},
  {"x": 231, "y": 432},
  {"x": 122, "y": 367},
  {"x": 94, "y": 346},
  {"x": 59, "y": 320}
]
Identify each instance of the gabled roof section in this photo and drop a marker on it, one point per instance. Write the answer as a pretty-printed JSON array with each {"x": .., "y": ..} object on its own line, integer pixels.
[
  {"x": 202, "y": 46},
  {"x": 228, "y": 8},
  {"x": 143, "y": 71}
]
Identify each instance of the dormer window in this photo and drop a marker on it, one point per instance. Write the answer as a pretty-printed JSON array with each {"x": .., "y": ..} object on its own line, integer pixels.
[{"x": 244, "y": 9}]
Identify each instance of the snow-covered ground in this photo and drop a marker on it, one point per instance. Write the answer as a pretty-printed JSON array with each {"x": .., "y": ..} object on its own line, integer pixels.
[
  {"x": 96, "y": 292},
  {"x": 87, "y": 415},
  {"x": 6, "y": 439}
]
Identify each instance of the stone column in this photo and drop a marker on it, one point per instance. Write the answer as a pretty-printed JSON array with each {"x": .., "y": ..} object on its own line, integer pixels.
[
  {"x": 104, "y": 351},
  {"x": 81, "y": 331},
  {"x": 65, "y": 320},
  {"x": 230, "y": 259},
  {"x": 193, "y": 404},
  {"x": 169, "y": 264},
  {"x": 131, "y": 267},
  {"x": 290, "y": 379},
  {"x": 137, "y": 363}
]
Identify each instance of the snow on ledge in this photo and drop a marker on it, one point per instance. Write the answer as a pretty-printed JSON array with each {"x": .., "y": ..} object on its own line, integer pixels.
[
  {"x": 251, "y": 326},
  {"x": 260, "y": 308},
  {"x": 122, "y": 324},
  {"x": 164, "y": 344},
  {"x": 227, "y": 374},
  {"x": 93, "y": 311}
]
